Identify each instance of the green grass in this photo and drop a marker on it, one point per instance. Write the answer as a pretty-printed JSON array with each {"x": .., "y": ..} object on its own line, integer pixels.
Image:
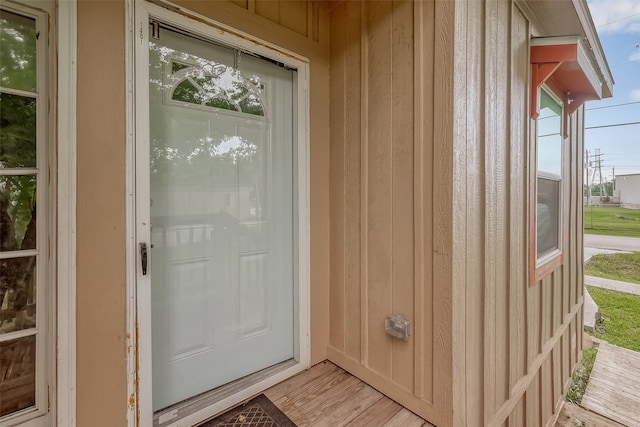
[
  {"x": 625, "y": 267},
  {"x": 620, "y": 323},
  {"x": 612, "y": 221},
  {"x": 580, "y": 377}
]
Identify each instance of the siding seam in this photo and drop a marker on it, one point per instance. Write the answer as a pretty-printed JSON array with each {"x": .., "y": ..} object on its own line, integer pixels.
[{"x": 524, "y": 383}]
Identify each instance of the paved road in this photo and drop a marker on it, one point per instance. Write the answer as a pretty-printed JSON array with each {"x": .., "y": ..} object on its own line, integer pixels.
[{"x": 612, "y": 242}]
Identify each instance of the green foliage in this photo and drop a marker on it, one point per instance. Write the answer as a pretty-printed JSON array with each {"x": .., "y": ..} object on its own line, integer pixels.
[
  {"x": 17, "y": 131},
  {"x": 580, "y": 377},
  {"x": 612, "y": 221},
  {"x": 625, "y": 267},
  {"x": 17, "y": 150},
  {"x": 18, "y": 200},
  {"x": 18, "y": 124},
  {"x": 18, "y": 68},
  {"x": 596, "y": 189},
  {"x": 620, "y": 323}
]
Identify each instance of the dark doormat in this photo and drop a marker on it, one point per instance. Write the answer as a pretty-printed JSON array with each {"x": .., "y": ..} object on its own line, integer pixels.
[{"x": 258, "y": 412}]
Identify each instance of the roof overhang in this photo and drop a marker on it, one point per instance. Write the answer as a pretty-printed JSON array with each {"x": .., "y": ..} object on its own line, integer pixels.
[
  {"x": 552, "y": 18},
  {"x": 564, "y": 63}
]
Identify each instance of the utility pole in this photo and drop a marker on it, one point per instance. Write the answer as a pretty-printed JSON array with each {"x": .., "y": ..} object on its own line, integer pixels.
[
  {"x": 614, "y": 179},
  {"x": 586, "y": 167},
  {"x": 598, "y": 171}
]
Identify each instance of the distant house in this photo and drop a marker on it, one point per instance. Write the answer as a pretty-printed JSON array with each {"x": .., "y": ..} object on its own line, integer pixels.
[
  {"x": 200, "y": 199},
  {"x": 628, "y": 187}
]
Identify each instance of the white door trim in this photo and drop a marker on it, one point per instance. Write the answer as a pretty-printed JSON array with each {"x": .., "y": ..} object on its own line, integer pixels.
[
  {"x": 66, "y": 213},
  {"x": 140, "y": 412},
  {"x": 133, "y": 401}
]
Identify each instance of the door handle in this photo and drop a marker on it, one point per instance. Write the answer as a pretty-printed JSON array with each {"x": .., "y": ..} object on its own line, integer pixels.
[{"x": 143, "y": 258}]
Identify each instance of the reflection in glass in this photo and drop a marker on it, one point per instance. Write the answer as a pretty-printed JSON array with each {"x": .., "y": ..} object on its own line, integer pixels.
[
  {"x": 17, "y": 212},
  {"x": 17, "y": 51},
  {"x": 177, "y": 66},
  {"x": 549, "y": 164},
  {"x": 17, "y": 375},
  {"x": 186, "y": 92},
  {"x": 205, "y": 82},
  {"x": 17, "y": 294},
  {"x": 222, "y": 209},
  {"x": 547, "y": 215},
  {"x": 17, "y": 131},
  {"x": 549, "y": 135}
]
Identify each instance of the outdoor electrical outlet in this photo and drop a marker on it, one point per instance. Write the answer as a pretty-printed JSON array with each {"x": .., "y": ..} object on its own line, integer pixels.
[{"x": 397, "y": 326}]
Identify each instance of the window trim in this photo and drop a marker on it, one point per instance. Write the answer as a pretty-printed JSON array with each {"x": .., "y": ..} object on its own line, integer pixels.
[
  {"x": 44, "y": 410},
  {"x": 564, "y": 63},
  {"x": 64, "y": 80},
  {"x": 540, "y": 267}
]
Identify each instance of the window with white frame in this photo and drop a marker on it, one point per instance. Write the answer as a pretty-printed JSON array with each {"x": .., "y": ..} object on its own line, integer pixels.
[
  {"x": 25, "y": 192},
  {"x": 548, "y": 178}
]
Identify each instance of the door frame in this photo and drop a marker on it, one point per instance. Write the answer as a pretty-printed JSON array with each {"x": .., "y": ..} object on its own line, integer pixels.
[{"x": 139, "y": 354}]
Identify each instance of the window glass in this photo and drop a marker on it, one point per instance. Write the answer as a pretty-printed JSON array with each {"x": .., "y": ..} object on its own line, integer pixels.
[
  {"x": 22, "y": 287},
  {"x": 18, "y": 362},
  {"x": 547, "y": 215},
  {"x": 549, "y": 175},
  {"x": 549, "y": 135},
  {"x": 17, "y": 213},
  {"x": 17, "y": 51},
  {"x": 210, "y": 83},
  {"x": 17, "y": 131}
]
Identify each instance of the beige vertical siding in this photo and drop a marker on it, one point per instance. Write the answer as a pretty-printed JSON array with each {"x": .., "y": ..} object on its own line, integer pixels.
[
  {"x": 520, "y": 342},
  {"x": 419, "y": 154},
  {"x": 101, "y": 298},
  {"x": 299, "y": 26},
  {"x": 390, "y": 158}
]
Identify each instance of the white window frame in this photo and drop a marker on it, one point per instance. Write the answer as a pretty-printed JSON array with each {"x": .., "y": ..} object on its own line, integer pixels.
[
  {"x": 65, "y": 390},
  {"x": 43, "y": 412},
  {"x": 138, "y": 286}
]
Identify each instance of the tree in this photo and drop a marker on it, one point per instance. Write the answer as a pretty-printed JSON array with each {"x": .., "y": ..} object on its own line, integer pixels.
[{"x": 17, "y": 150}]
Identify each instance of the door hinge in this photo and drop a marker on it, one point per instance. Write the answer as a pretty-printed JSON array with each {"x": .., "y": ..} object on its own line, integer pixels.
[{"x": 155, "y": 25}]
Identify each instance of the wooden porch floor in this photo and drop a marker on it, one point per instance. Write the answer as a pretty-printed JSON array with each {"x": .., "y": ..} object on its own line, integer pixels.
[
  {"x": 614, "y": 385},
  {"x": 326, "y": 395},
  {"x": 574, "y": 415}
]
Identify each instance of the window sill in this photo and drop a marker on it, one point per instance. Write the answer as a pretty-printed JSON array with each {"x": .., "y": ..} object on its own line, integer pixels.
[{"x": 546, "y": 265}]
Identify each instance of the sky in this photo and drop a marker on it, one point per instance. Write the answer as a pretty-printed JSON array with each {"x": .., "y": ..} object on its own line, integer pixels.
[{"x": 618, "y": 25}]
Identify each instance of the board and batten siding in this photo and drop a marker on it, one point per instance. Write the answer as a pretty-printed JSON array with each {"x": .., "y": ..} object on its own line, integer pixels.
[
  {"x": 515, "y": 345},
  {"x": 390, "y": 187}
]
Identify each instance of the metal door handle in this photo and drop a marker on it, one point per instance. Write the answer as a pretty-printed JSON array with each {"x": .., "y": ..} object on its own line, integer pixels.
[{"x": 143, "y": 258}]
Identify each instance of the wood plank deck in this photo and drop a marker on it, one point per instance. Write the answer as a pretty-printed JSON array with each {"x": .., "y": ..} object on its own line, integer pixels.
[
  {"x": 614, "y": 386},
  {"x": 326, "y": 395},
  {"x": 574, "y": 415}
]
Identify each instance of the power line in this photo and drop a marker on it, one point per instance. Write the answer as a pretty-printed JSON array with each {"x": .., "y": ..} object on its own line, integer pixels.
[
  {"x": 625, "y": 63},
  {"x": 612, "y": 126},
  {"x": 618, "y": 20},
  {"x": 611, "y": 106}
]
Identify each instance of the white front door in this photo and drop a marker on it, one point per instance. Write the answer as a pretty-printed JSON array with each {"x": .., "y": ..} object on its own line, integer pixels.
[{"x": 222, "y": 213}]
